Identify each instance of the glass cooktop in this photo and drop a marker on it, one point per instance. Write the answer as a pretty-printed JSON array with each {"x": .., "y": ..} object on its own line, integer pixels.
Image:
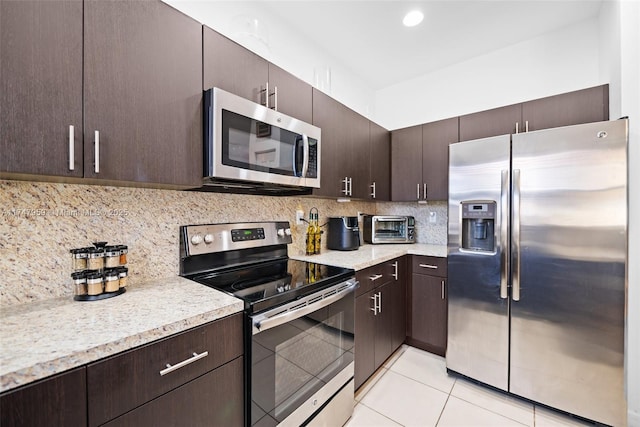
[{"x": 268, "y": 284}]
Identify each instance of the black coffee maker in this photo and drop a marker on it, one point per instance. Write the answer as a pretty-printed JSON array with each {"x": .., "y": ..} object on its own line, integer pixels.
[{"x": 343, "y": 234}]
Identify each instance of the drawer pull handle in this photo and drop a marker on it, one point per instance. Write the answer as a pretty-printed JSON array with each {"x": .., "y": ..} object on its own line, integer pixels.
[
  {"x": 171, "y": 368},
  {"x": 435, "y": 267},
  {"x": 375, "y": 277}
]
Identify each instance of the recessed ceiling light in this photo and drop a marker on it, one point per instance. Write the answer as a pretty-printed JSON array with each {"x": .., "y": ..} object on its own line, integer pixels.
[{"x": 413, "y": 18}]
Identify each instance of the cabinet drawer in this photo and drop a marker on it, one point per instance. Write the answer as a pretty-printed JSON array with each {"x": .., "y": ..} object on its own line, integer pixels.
[
  {"x": 433, "y": 266},
  {"x": 214, "y": 399},
  {"x": 372, "y": 277},
  {"x": 125, "y": 381}
]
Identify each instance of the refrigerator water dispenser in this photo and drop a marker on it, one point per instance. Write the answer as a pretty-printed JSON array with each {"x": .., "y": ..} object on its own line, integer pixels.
[{"x": 478, "y": 226}]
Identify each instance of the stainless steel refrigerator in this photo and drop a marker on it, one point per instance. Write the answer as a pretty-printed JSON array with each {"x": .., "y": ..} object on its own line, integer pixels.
[{"x": 537, "y": 265}]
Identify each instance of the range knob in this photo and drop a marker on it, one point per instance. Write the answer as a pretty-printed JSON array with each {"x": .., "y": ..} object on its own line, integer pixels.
[
  {"x": 196, "y": 239},
  {"x": 281, "y": 232},
  {"x": 287, "y": 231},
  {"x": 208, "y": 238}
]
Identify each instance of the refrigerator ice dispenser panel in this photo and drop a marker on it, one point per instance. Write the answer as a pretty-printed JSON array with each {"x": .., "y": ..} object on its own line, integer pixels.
[{"x": 478, "y": 226}]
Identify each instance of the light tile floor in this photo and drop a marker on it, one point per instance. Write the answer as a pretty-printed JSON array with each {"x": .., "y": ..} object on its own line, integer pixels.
[{"x": 414, "y": 389}]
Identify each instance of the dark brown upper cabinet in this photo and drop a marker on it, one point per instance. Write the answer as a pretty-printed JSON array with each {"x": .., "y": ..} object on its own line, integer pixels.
[
  {"x": 231, "y": 67},
  {"x": 572, "y": 108},
  {"x": 143, "y": 93},
  {"x": 380, "y": 152},
  {"x": 139, "y": 94},
  {"x": 420, "y": 160},
  {"x": 345, "y": 153},
  {"x": 41, "y": 87}
]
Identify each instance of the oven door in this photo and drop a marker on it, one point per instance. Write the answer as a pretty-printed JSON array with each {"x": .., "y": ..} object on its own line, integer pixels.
[
  {"x": 301, "y": 355},
  {"x": 249, "y": 142}
]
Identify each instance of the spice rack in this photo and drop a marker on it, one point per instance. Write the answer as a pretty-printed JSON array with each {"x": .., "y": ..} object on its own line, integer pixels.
[{"x": 100, "y": 271}]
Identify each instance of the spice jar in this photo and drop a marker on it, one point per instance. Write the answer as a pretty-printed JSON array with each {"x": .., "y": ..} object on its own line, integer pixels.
[
  {"x": 79, "y": 258},
  {"x": 94, "y": 283},
  {"x": 111, "y": 256},
  {"x": 95, "y": 259},
  {"x": 123, "y": 273},
  {"x": 111, "y": 280},
  {"x": 123, "y": 254},
  {"x": 79, "y": 282}
]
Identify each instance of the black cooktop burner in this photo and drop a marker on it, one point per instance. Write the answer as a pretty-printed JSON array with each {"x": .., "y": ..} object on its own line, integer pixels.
[{"x": 268, "y": 284}]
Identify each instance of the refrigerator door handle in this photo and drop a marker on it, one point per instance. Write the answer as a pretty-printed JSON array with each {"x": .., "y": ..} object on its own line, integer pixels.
[
  {"x": 515, "y": 243},
  {"x": 504, "y": 233}
]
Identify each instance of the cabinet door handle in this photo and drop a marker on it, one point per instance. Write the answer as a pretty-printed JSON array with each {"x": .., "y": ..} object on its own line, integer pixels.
[
  {"x": 264, "y": 93},
  {"x": 433, "y": 267},
  {"x": 418, "y": 191},
  {"x": 517, "y": 127},
  {"x": 171, "y": 368},
  {"x": 375, "y": 277},
  {"x": 395, "y": 270},
  {"x": 373, "y": 190},
  {"x": 72, "y": 158},
  {"x": 96, "y": 158},
  {"x": 350, "y": 186},
  {"x": 275, "y": 98},
  {"x": 375, "y": 304},
  {"x": 380, "y": 302},
  {"x": 442, "y": 289},
  {"x": 345, "y": 181},
  {"x": 425, "y": 191},
  {"x": 526, "y": 126}
]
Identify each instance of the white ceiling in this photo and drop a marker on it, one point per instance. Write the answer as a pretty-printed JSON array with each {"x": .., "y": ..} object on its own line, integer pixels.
[{"x": 368, "y": 37}]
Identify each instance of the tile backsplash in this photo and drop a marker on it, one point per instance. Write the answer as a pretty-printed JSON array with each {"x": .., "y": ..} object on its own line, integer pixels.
[{"x": 41, "y": 222}]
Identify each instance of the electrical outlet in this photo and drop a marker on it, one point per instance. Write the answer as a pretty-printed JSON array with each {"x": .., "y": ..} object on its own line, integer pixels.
[
  {"x": 299, "y": 217},
  {"x": 360, "y": 215},
  {"x": 433, "y": 218}
]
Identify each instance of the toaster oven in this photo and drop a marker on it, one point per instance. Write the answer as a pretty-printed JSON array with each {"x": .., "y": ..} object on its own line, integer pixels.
[{"x": 389, "y": 229}]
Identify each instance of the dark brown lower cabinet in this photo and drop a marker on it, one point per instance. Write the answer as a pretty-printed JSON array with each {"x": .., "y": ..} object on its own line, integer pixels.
[
  {"x": 428, "y": 305},
  {"x": 214, "y": 399},
  {"x": 57, "y": 401},
  {"x": 380, "y": 326}
]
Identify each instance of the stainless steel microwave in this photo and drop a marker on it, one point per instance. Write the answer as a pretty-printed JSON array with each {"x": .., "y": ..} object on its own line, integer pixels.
[
  {"x": 389, "y": 229},
  {"x": 249, "y": 146}
]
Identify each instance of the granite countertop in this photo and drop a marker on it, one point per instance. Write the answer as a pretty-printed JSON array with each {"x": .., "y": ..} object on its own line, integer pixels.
[
  {"x": 368, "y": 255},
  {"x": 47, "y": 337}
]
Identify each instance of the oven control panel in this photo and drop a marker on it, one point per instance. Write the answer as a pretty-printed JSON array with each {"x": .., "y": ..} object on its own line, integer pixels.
[{"x": 212, "y": 238}]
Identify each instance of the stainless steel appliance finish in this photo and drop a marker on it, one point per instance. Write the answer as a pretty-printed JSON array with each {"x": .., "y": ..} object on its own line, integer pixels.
[
  {"x": 250, "y": 146},
  {"x": 389, "y": 229},
  {"x": 542, "y": 316},
  {"x": 299, "y": 334}
]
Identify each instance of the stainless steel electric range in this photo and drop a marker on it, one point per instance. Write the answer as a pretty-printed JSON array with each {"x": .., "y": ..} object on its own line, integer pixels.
[{"x": 299, "y": 329}]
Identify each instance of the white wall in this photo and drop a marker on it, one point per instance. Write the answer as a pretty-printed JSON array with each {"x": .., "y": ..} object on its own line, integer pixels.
[
  {"x": 295, "y": 53},
  {"x": 557, "y": 62}
]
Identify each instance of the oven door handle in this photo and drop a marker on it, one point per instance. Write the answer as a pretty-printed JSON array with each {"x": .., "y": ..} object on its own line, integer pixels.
[{"x": 306, "y": 305}]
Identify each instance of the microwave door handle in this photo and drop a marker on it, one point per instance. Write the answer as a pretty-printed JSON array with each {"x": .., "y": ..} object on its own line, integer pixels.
[
  {"x": 305, "y": 163},
  {"x": 295, "y": 156}
]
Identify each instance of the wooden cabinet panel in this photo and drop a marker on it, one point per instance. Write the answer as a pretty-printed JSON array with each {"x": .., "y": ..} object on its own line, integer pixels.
[
  {"x": 429, "y": 313},
  {"x": 294, "y": 95},
  {"x": 57, "y": 401},
  {"x": 380, "y": 163},
  {"x": 214, "y": 399},
  {"x": 436, "y": 137},
  {"x": 40, "y": 87},
  {"x": 231, "y": 67},
  {"x": 143, "y": 93},
  {"x": 379, "y": 332},
  {"x": 345, "y": 148},
  {"x": 434, "y": 266},
  {"x": 123, "y": 382},
  {"x": 365, "y": 329},
  {"x": 498, "y": 121},
  {"x": 406, "y": 164},
  {"x": 582, "y": 106}
]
